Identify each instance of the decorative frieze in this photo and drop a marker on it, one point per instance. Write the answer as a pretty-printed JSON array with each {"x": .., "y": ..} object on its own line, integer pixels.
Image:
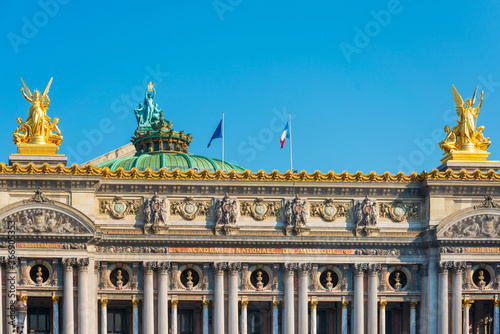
[
  {"x": 118, "y": 207},
  {"x": 329, "y": 210},
  {"x": 259, "y": 209},
  {"x": 189, "y": 209},
  {"x": 131, "y": 249},
  {"x": 390, "y": 252}
]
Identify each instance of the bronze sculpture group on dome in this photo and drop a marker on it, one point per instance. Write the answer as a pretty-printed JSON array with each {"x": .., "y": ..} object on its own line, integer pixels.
[{"x": 465, "y": 142}]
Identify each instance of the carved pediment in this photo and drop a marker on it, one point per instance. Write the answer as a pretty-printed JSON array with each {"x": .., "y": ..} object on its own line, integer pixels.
[
  {"x": 472, "y": 224},
  {"x": 44, "y": 218}
]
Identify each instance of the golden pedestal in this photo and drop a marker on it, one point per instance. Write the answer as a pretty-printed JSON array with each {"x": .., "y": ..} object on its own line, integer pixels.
[
  {"x": 37, "y": 149},
  {"x": 469, "y": 161}
]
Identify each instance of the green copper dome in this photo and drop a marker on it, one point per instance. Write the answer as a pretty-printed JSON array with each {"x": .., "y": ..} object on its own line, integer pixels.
[
  {"x": 158, "y": 146},
  {"x": 170, "y": 161}
]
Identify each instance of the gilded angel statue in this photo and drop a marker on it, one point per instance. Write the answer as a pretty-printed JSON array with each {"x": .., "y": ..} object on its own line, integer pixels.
[
  {"x": 465, "y": 136},
  {"x": 38, "y": 128}
]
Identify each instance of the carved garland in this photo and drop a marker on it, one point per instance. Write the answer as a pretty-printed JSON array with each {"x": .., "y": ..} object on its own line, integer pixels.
[
  {"x": 118, "y": 208},
  {"x": 329, "y": 210},
  {"x": 189, "y": 209},
  {"x": 399, "y": 211},
  {"x": 260, "y": 210}
]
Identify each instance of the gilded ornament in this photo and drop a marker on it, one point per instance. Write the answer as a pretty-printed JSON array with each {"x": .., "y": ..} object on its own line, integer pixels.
[
  {"x": 189, "y": 209},
  {"x": 329, "y": 210},
  {"x": 118, "y": 208},
  {"x": 399, "y": 211},
  {"x": 260, "y": 210},
  {"x": 38, "y": 135},
  {"x": 466, "y": 141}
]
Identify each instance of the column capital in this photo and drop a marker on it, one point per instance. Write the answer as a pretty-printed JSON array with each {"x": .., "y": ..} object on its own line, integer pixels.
[
  {"x": 290, "y": 268},
  {"x": 304, "y": 268},
  {"x": 374, "y": 268},
  {"x": 458, "y": 266},
  {"x": 205, "y": 303},
  {"x": 382, "y": 304},
  {"x": 82, "y": 264},
  {"x": 314, "y": 304},
  {"x": 413, "y": 304},
  {"x": 234, "y": 267},
  {"x": 69, "y": 263},
  {"x": 174, "y": 302},
  {"x": 55, "y": 300},
  {"x": 276, "y": 303},
  {"x": 163, "y": 267},
  {"x": 496, "y": 303},
  {"x": 220, "y": 267},
  {"x": 466, "y": 303},
  {"x": 244, "y": 303},
  {"x": 358, "y": 269},
  {"x": 344, "y": 304},
  {"x": 149, "y": 267},
  {"x": 104, "y": 302},
  {"x": 135, "y": 302},
  {"x": 443, "y": 266}
]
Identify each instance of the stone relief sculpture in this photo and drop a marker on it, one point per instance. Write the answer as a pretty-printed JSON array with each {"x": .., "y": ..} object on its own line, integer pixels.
[
  {"x": 329, "y": 210},
  {"x": 399, "y": 211},
  {"x": 260, "y": 210},
  {"x": 42, "y": 220},
  {"x": 189, "y": 209},
  {"x": 480, "y": 226},
  {"x": 156, "y": 212},
  {"x": 225, "y": 213},
  {"x": 366, "y": 215},
  {"x": 119, "y": 208},
  {"x": 296, "y": 214}
]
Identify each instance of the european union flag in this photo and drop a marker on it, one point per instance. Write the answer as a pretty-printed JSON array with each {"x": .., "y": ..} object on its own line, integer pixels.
[{"x": 217, "y": 133}]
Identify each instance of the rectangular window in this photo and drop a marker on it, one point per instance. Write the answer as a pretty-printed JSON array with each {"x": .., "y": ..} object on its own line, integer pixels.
[
  {"x": 117, "y": 321},
  {"x": 39, "y": 321}
]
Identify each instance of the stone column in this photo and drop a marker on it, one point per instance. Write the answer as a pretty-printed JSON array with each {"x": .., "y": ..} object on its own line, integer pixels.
[
  {"x": 413, "y": 318},
  {"x": 68, "y": 309},
  {"x": 359, "y": 317},
  {"x": 289, "y": 298},
  {"x": 314, "y": 304},
  {"x": 244, "y": 320},
  {"x": 373, "y": 271},
  {"x": 456, "y": 307},
  {"x": 466, "y": 305},
  {"x": 218, "y": 316},
  {"x": 135, "y": 315},
  {"x": 344, "y": 316},
  {"x": 174, "y": 303},
  {"x": 303, "y": 289},
  {"x": 25, "y": 325},
  {"x": 382, "y": 317},
  {"x": 205, "y": 315},
  {"x": 148, "y": 317},
  {"x": 104, "y": 316},
  {"x": 55, "y": 315},
  {"x": 443, "y": 298},
  {"x": 424, "y": 293},
  {"x": 83, "y": 296},
  {"x": 496, "y": 317},
  {"x": 163, "y": 297},
  {"x": 2, "y": 261},
  {"x": 233, "y": 297},
  {"x": 275, "y": 317},
  {"x": 10, "y": 286}
]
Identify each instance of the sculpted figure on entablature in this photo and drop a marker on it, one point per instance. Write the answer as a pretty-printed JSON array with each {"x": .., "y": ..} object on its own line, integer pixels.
[
  {"x": 38, "y": 220},
  {"x": 296, "y": 214},
  {"x": 225, "y": 213},
  {"x": 366, "y": 215},
  {"x": 479, "y": 226},
  {"x": 156, "y": 210}
]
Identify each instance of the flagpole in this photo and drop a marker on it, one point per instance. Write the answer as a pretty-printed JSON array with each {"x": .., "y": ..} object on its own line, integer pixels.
[
  {"x": 290, "y": 128},
  {"x": 222, "y": 141}
]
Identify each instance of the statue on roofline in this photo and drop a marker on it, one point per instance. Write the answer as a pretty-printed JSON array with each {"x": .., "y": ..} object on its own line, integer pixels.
[
  {"x": 465, "y": 137},
  {"x": 38, "y": 128},
  {"x": 148, "y": 113}
]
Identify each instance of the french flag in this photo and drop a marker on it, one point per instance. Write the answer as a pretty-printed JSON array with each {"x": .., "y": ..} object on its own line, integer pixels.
[{"x": 284, "y": 135}]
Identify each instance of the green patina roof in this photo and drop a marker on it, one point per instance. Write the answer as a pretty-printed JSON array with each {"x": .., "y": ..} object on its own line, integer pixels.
[{"x": 170, "y": 161}]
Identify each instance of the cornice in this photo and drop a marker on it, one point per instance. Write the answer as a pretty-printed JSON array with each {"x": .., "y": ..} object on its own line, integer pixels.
[{"x": 303, "y": 176}]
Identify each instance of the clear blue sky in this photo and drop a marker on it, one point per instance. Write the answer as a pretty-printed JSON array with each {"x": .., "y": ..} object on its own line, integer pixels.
[{"x": 366, "y": 104}]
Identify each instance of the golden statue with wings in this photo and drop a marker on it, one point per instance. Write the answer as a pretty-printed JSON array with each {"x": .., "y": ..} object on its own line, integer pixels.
[
  {"x": 38, "y": 135},
  {"x": 465, "y": 142}
]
